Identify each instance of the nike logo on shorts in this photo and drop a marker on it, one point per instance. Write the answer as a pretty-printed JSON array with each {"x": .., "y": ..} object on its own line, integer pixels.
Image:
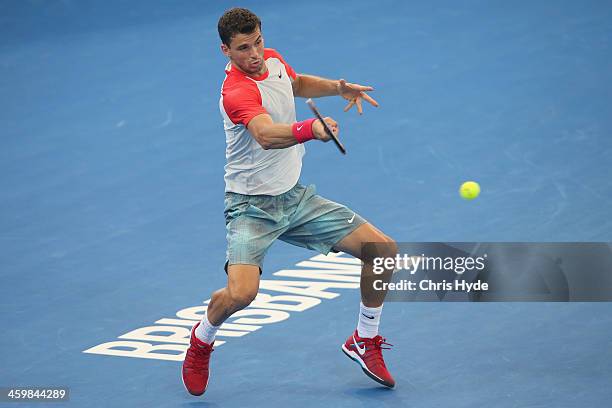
[{"x": 352, "y": 218}]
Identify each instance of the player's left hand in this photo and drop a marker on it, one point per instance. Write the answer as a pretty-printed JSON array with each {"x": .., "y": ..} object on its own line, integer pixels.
[{"x": 354, "y": 93}]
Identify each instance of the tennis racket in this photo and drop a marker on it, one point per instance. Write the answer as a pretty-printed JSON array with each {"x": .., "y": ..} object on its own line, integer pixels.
[{"x": 314, "y": 110}]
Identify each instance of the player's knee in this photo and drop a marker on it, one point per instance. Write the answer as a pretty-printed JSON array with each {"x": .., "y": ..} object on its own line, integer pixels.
[
  {"x": 386, "y": 247},
  {"x": 216, "y": 297},
  {"x": 242, "y": 298},
  {"x": 381, "y": 246},
  {"x": 390, "y": 248}
]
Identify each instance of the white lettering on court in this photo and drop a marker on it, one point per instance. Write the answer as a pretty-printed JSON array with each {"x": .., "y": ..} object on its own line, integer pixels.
[{"x": 318, "y": 279}]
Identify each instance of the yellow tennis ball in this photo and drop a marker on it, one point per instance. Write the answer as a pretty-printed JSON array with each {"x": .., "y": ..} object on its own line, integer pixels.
[{"x": 469, "y": 190}]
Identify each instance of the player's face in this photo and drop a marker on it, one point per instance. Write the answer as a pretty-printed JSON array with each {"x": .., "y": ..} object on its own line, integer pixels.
[{"x": 246, "y": 51}]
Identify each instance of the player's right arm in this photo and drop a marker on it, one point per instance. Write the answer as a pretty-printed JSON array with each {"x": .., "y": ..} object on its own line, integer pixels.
[
  {"x": 242, "y": 103},
  {"x": 272, "y": 135}
]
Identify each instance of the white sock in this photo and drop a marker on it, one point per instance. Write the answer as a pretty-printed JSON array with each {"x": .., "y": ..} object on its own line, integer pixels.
[
  {"x": 206, "y": 331},
  {"x": 369, "y": 319}
]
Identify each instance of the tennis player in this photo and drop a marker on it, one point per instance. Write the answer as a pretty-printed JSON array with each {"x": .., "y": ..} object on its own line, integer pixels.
[{"x": 264, "y": 200}]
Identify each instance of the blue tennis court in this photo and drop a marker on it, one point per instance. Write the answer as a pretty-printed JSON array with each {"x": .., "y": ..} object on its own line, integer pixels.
[{"x": 111, "y": 202}]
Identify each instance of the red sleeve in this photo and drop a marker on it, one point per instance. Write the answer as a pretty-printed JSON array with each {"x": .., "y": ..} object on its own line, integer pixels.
[
  {"x": 272, "y": 53},
  {"x": 243, "y": 103}
]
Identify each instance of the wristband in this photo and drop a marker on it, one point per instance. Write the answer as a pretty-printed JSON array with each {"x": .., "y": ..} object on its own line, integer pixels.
[{"x": 302, "y": 131}]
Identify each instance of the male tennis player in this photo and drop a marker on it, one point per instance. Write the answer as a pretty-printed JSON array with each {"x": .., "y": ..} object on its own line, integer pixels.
[{"x": 263, "y": 198}]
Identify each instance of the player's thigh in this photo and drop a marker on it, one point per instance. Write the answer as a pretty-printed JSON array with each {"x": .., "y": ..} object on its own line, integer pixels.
[
  {"x": 319, "y": 223},
  {"x": 367, "y": 233},
  {"x": 252, "y": 224}
]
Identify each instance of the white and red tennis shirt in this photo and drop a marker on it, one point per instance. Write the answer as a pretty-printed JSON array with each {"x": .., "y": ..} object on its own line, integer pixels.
[{"x": 250, "y": 169}]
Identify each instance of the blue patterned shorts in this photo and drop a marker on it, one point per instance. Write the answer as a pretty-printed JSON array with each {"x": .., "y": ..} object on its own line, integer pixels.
[{"x": 299, "y": 217}]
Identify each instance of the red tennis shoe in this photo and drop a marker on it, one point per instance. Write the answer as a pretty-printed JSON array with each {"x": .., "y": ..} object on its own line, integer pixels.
[
  {"x": 367, "y": 352},
  {"x": 195, "y": 366}
]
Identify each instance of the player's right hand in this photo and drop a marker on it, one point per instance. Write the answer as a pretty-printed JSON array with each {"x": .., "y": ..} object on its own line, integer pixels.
[{"x": 320, "y": 133}]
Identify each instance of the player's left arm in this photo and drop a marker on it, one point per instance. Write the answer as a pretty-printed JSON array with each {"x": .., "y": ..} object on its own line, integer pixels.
[{"x": 310, "y": 86}]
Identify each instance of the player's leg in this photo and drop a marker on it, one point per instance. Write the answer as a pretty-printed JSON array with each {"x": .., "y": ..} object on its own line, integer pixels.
[
  {"x": 379, "y": 246},
  {"x": 322, "y": 224},
  {"x": 365, "y": 345},
  {"x": 252, "y": 225},
  {"x": 241, "y": 290}
]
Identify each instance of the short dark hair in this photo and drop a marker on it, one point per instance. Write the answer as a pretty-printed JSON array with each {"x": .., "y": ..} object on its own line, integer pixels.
[{"x": 237, "y": 21}]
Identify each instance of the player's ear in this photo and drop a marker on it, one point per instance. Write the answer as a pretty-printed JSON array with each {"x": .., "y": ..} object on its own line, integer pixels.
[{"x": 225, "y": 49}]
